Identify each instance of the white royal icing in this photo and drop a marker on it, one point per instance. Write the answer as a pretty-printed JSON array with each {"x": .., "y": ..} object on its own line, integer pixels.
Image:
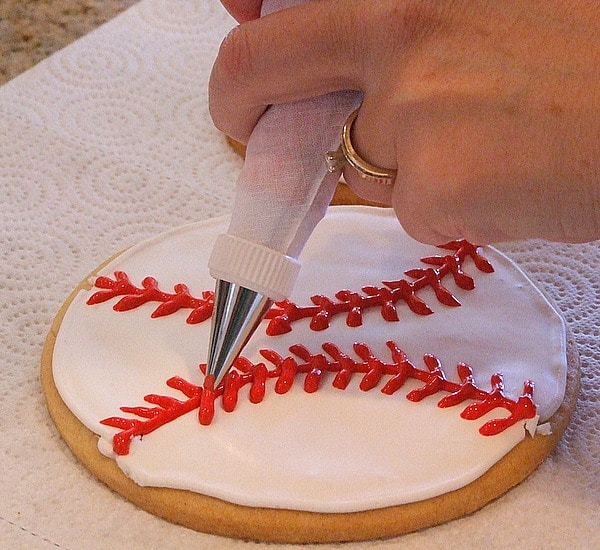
[{"x": 330, "y": 451}]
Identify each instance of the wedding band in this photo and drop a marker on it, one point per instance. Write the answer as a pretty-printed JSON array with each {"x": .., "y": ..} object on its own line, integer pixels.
[{"x": 347, "y": 154}]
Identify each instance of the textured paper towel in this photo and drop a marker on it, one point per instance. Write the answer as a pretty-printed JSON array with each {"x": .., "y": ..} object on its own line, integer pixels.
[{"x": 109, "y": 142}]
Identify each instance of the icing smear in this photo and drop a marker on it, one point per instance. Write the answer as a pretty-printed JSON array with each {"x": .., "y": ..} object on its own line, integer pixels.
[{"x": 328, "y": 451}]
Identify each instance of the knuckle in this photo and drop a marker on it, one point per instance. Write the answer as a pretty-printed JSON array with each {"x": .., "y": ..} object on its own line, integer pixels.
[
  {"x": 430, "y": 200},
  {"x": 417, "y": 23},
  {"x": 231, "y": 83},
  {"x": 236, "y": 58},
  {"x": 420, "y": 18}
]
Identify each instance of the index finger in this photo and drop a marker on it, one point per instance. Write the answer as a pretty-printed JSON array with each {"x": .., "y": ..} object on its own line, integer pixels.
[
  {"x": 243, "y": 10},
  {"x": 293, "y": 54}
]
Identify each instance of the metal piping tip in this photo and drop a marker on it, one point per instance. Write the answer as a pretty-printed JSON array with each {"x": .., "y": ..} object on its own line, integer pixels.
[{"x": 236, "y": 315}]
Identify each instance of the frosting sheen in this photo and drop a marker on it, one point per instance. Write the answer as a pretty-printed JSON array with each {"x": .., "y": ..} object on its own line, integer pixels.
[{"x": 328, "y": 451}]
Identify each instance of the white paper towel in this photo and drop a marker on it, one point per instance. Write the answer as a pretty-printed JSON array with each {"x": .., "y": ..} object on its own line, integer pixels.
[{"x": 109, "y": 142}]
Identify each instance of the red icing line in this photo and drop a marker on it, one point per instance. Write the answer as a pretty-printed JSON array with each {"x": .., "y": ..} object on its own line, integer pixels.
[
  {"x": 133, "y": 297},
  {"x": 315, "y": 367},
  {"x": 207, "y": 401},
  {"x": 386, "y": 297},
  {"x": 284, "y": 313},
  {"x": 167, "y": 410}
]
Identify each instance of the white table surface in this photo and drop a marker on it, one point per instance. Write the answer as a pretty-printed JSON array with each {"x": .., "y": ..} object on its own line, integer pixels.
[{"x": 108, "y": 142}]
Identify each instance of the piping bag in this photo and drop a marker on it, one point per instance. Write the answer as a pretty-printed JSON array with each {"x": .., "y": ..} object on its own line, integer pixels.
[{"x": 282, "y": 192}]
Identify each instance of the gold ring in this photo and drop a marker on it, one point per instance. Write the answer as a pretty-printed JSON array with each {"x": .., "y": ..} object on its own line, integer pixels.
[{"x": 347, "y": 153}]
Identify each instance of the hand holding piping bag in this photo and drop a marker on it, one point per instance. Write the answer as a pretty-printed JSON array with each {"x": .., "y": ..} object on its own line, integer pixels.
[
  {"x": 283, "y": 191},
  {"x": 488, "y": 110}
]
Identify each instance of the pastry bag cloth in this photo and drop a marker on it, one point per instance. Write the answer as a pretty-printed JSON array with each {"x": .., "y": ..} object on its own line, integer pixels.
[{"x": 284, "y": 187}]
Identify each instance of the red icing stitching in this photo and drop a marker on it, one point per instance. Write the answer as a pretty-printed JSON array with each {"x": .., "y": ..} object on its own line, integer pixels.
[
  {"x": 284, "y": 313},
  {"x": 386, "y": 297},
  {"x": 315, "y": 367},
  {"x": 149, "y": 292}
]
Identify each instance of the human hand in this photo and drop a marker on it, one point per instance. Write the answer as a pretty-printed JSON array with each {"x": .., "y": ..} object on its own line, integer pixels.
[
  {"x": 243, "y": 10},
  {"x": 489, "y": 110}
]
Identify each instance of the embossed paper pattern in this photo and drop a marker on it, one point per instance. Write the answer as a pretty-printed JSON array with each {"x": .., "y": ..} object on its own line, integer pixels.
[{"x": 108, "y": 142}]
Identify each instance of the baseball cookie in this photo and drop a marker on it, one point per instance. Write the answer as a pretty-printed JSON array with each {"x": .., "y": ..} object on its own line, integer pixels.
[{"x": 402, "y": 385}]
